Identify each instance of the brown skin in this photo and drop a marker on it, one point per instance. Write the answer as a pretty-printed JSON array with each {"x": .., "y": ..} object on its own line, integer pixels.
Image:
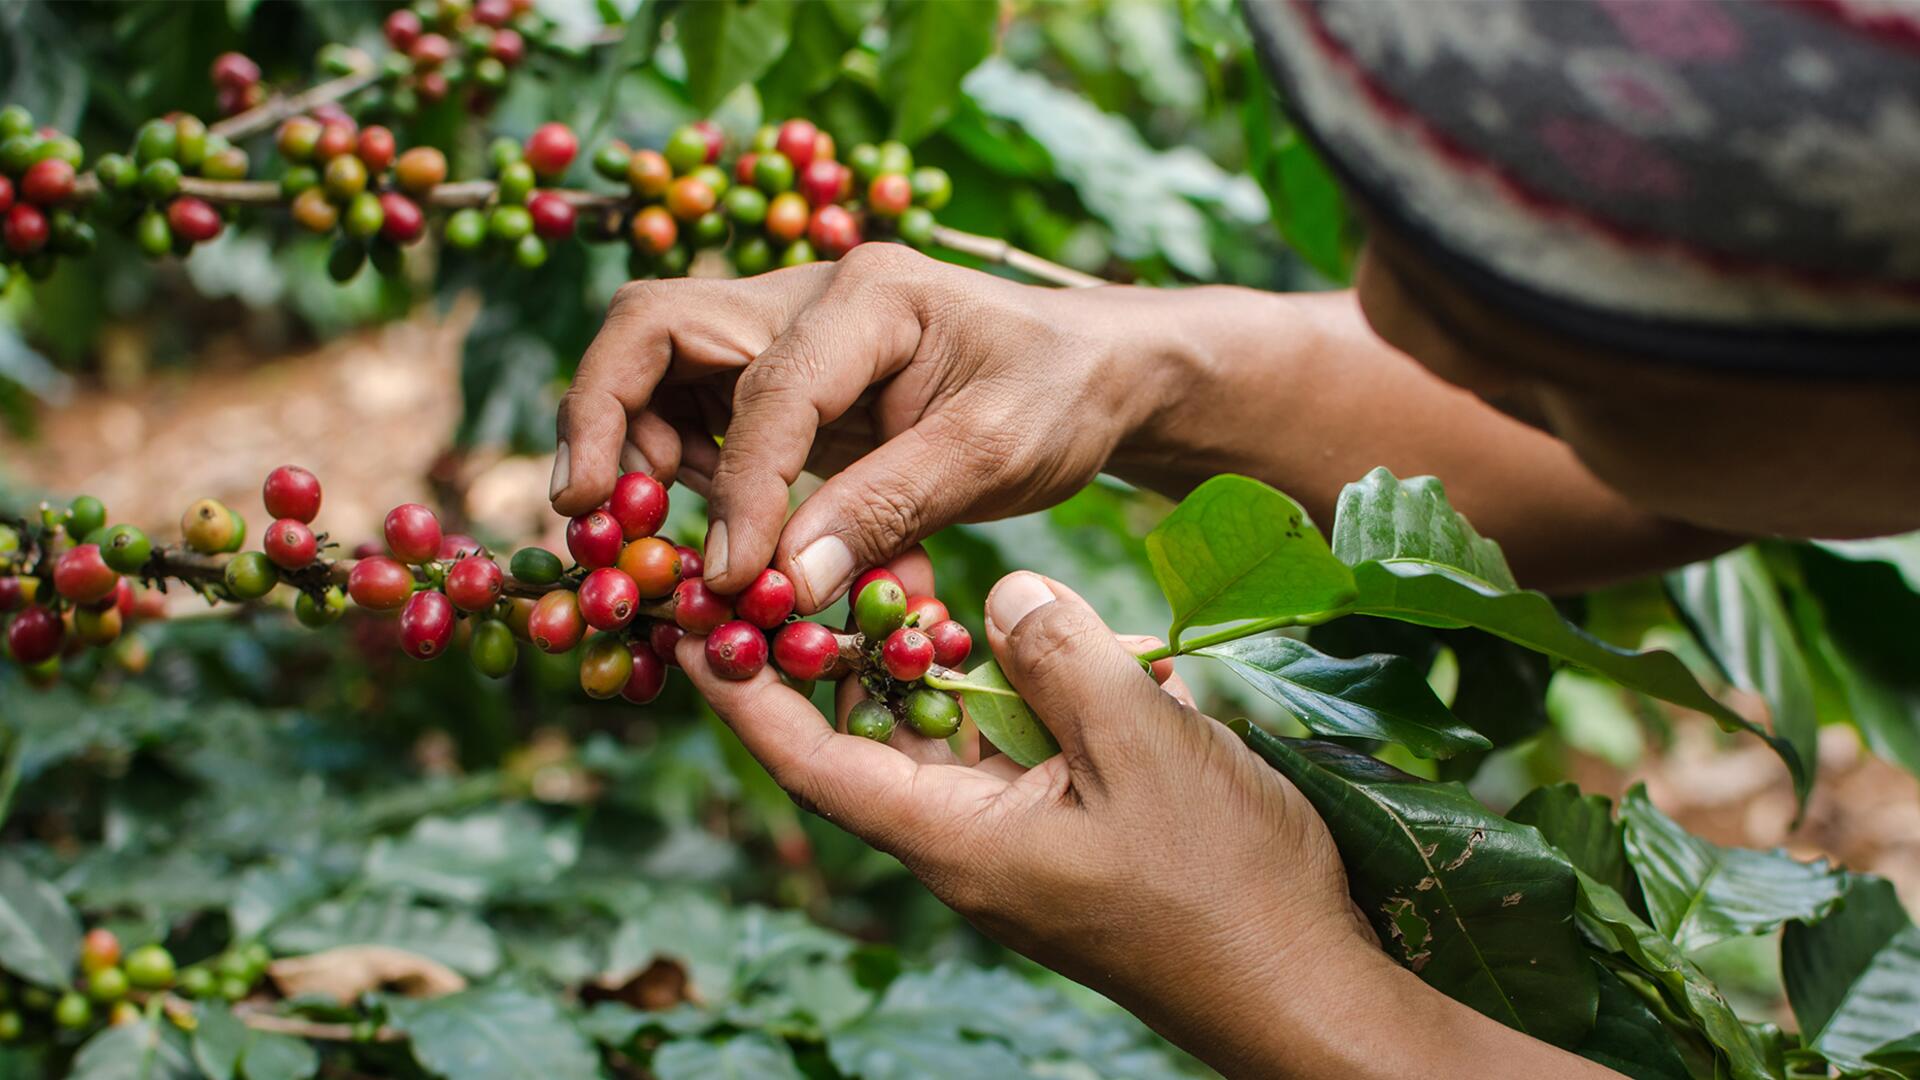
[{"x": 1156, "y": 859}]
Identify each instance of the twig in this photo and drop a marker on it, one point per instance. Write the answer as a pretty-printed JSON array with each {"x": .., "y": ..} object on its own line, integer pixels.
[
  {"x": 261, "y": 1020},
  {"x": 1001, "y": 253},
  {"x": 271, "y": 112}
]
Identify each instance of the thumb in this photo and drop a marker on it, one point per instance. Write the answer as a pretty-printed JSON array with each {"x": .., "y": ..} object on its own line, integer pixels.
[{"x": 1105, "y": 710}]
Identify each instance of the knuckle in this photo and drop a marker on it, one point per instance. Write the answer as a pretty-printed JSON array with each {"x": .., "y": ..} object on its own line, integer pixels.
[
  {"x": 1048, "y": 643},
  {"x": 635, "y": 298},
  {"x": 886, "y": 519},
  {"x": 867, "y": 261}
]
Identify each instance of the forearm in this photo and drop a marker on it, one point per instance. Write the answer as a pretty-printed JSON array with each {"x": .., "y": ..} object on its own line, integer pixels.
[{"x": 1295, "y": 389}]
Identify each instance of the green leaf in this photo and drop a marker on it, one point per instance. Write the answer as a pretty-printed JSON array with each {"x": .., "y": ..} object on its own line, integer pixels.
[
  {"x": 1479, "y": 907},
  {"x": 454, "y": 938},
  {"x": 1853, "y": 978},
  {"x": 476, "y": 856},
  {"x": 747, "y": 1056},
  {"x": 1380, "y": 517},
  {"x": 39, "y": 933},
  {"x": 1628, "y": 1038},
  {"x": 914, "y": 1033},
  {"x": 721, "y": 949},
  {"x": 930, "y": 48},
  {"x": 730, "y": 42},
  {"x": 1502, "y": 689},
  {"x": 1000, "y": 714},
  {"x": 136, "y": 1051},
  {"x": 1900, "y": 552},
  {"x": 1733, "y": 607},
  {"x": 1307, "y": 204},
  {"x": 499, "y": 1032},
  {"x": 268, "y": 892},
  {"x": 1377, "y": 696},
  {"x": 811, "y": 62},
  {"x": 225, "y": 1048},
  {"x": 1583, "y": 829},
  {"x": 1236, "y": 549},
  {"x": 1698, "y": 893},
  {"x": 1434, "y": 595}
]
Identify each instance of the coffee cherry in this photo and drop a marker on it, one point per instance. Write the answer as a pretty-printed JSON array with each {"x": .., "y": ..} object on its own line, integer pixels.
[
  {"x": 35, "y": 634},
  {"x": 933, "y": 713},
  {"x": 551, "y": 148},
  {"x": 430, "y": 51},
  {"x": 798, "y": 141},
  {"x": 536, "y": 566},
  {"x": 555, "y": 624},
  {"x": 81, "y": 575},
  {"x": 611, "y": 161},
  {"x": 916, "y": 226},
  {"x": 752, "y": 256},
  {"x": 787, "y": 217},
  {"x": 156, "y": 140},
  {"x": 868, "y": 577},
  {"x": 335, "y": 142},
  {"x": 594, "y": 539},
  {"x": 654, "y": 231},
  {"x": 97, "y": 628},
  {"x": 689, "y": 197},
  {"x": 736, "y": 650},
  {"x": 879, "y": 608},
  {"x": 467, "y": 229},
  {"x": 530, "y": 253},
  {"x": 365, "y": 217},
  {"x": 107, "y": 985},
  {"x": 234, "y": 71},
  {"x": 420, "y": 170},
  {"x": 869, "y": 719},
  {"x": 13, "y": 594},
  {"x": 824, "y": 182},
  {"x": 380, "y": 583},
  {"x": 686, "y": 148},
  {"x": 250, "y": 575},
  {"x": 710, "y": 229},
  {"x": 73, "y": 1011},
  {"x": 85, "y": 515},
  {"x": 299, "y": 136},
  {"x": 48, "y": 182},
  {"x": 15, "y": 120},
  {"x": 895, "y": 157},
  {"x": 475, "y": 583},
  {"x": 402, "y": 29},
  {"x": 510, "y": 224},
  {"x": 193, "y": 220},
  {"x": 290, "y": 544},
  {"x": 229, "y": 163},
  {"x": 907, "y": 654},
  {"x": 376, "y": 148},
  {"x": 716, "y": 139},
  {"x": 773, "y": 173},
  {"x": 605, "y": 668},
  {"x": 493, "y": 650},
  {"x": 768, "y": 601},
  {"x": 833, "y": 231},
  {"x": 190, "y": 141},
  {"x": 647, "y": 675},
  {"x": 344, "y": 177},
  {"x": 951, "y": 643},
  {"x": 806, "y": 650},
  {"x": 403, "y": 222},
  {"x": 864, "y": 160},
  {"x": 698, "y": 609},
  {"x": 889, "y": 195},
  {"x": 639, "y": 503},
  {"x": 746, "y": 205},
  {"x": 654, "y": 566},
  {"x": 413, "y": 533},
  {"x": 664, "y": 637},
  {"x": 509, "y": 47},
  {"x": 150, "y": 967},
  {"x": 924, "y": 611},
  {"x": 426, "y": 625},
  {"x": 99, "y": 950},
  {"x": 25, "y": 230},
  {"x": 315, "y": 610},
  {"x": 208, "y": 526},
  {"x": 553, "y": 216},
  {"x": 313, "y": 212},
  {"x": 608, "y": 599},
  {"x": 431, "y": 86},
  {"x": 291, "y": 492},
  {"x": 649, "y": 173}
]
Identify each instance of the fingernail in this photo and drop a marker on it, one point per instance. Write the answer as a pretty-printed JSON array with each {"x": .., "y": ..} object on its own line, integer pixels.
[
  {"x": 1015, "y": 598},
  {"x": 562, "y": 464},
  {"x": 821, "y": 569},
  {"x": 716, "y": 551},
  {"x": 632, "y": 460}
]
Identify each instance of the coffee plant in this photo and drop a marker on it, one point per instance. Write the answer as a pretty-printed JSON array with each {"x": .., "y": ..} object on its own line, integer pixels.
[{"x": 275, "y": 832}]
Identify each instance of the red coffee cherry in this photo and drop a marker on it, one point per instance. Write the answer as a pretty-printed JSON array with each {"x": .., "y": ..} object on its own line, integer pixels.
[
  {"x": 868, "y": 577},
  {"x": 99, "y": 950},
  {"x": 474, "y": 583},
  {"x": 379, "y": 583},
  {"x": 907, "y": 654},
  {"x": 654, "y": 231},
  {"x": 456, "y": 546},
  {"x": 13, "y": 595},
  {"x": 689, "y": 197},
  {"x": 290, "y": 544},
  {"x": 376, "y": 148},
  {"x": 403, "y": 221},
  {"x": 798, "y": 140},
  {"x": 768, "y": 601},
  {"x": 653, "y": 564},
  {"x": 426, "y": 625},
  {"x": 824, "y": 182},
  {"x": 699, "y": 609},
  {"x": 555, "y": 625},
  {"x": 890, "y": 194},
  {"x": 402, "y": 29},
  {"x": 951, "y": 643},
  {"x": 336, "y": 139},
  {"x": 924, "y": 611},
  {"x": 492, "y": 12},
  {"x": 123, "y": 599},
  {"x": 716, "y": 139},
  {"x": 649, "y": 673},
  {"x": 664, "y": 636},
  {"x": 608, "y": 599},
  {"x": 430, "y": 51},
  {"x": 25, "y": 231},
  {"x": 413, "y": 533},
  {"x": 83, "y": 576},
  {"x": 833, "y": 231},
  {"x": 35, "y": 635},
  {"x": 193, "y": 219},
  {"x": 639, "y": 504},
  {"x": 553, "y": 216},
  {"x": 743, "y": 169},
  {"x": 6, "y": 193},
  {"x": 48, "y": 182},
  {"x": 551, "y": 148},
  {"x": 594, "y": 539},
  {"x": 292, "y": 492},
  {"x": 432, "y": 86},
  {"x": 508, "y": 47},
  {"x": 234, "y": 71},
  {"x": 736, "y": 650},
  {"x": 691, "y": 564},
  {"x": 806, "y": 650}
]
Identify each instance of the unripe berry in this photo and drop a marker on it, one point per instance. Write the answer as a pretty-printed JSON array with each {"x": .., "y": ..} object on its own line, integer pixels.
[
  {"x": 365, "y": 217},
  {"x": 250, "y": 575},
  {"x": 605, "y": 668},
  {"x": 653, "y": 564},
  {"x": 234, "y": 71},
  {"x": 551, "y": 148},
  {"x": 208, "y": 526},
  {"x": 298, "y": 138},
  {"x": 160, "y": 180},
  {"x": 699, "y": 609},
  {"x": 413, "y": 533},
  {"x": 768, "y": 601},
  {"x": 806, "y": 650},
  {"x": 474, "y": 583},
  {"x": 48, "y": 182},
  {"x": 689, "y": 197},
  {"x": 35, "y": 634},
  {"x": 150, "y": 967},
  {"x": 833, "y": 231},
  {"x": 608, "y": 599},
  {"x": 647, "y": 676},
  {"x": 752, "y": 255},
  {"x": 402, "y": 220},
  {"x": 25, "y": 230},
  {"x": 594, "y": 539},
  {"x": 649, "y": 173},
  {"x": 193, "y": 219},
  {"x": 736, "y": 650},
  {"x": 85, "y": 514},
  {"x": 107, "y": 985},
  {"x": 313, "y": 211},
  {"x": 686, "y": 148},
  {"x": 889, "y": 195},
  {"x": 746, "y": 205},
  {"x": 290, "y": 544},
  {"x": 426, "y": 625},
  {"x": 227, "y": 164},
  {"x": 895, "y": 157},
  {"x": 97, "y": 628},
  {"x": 879, "y": 608},
  {"x": 553, "y": 216},
  {"x": 510, "y": 224},
  {"x": 798, "y": 141},
  {"x": 824, "y": 182},
  {"x": 323, "y": 609},
  {"x": 933, "y": 713},
  {"x": 787, "y": 217},
  {"x": 345, "y": 177},
  {"x": 530, "y": 253},
  {"x": 654, "y": 231},
  {"x": 402, "y": 29},
  {"x": 292, "y": 492},
  {"x": 420, "y": 170},
  {"x": 536, "y": 566},
  {"x": 430, "y": 51},
  {"x": 380, "y": 583},
  {"x": 555, "y": 625},
  {"x": 73, "y": 1011},
  {"x": 83, "y": 576},
  {"x": 665, "y": 637},
  {"x": 467, "y": 229},
  {"x": 99, "y": 950},
  {"x": 773, "y": 173},
  {"x": 493, "y": 650},
  {"x": 869, "y": 719},
  {"x": 951, "y": 643}
]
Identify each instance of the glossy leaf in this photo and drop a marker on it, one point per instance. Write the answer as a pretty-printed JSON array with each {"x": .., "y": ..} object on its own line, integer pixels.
[
  {"x": 1628, "y": 1038},
  {"x": 473, "y": 857},
  {"x": 1854, "y": 977},
  {"x": 454, "y": 938},
  {"x": 811, "y": 61},
  {"x": 749, "y": 1056},
  {"x": 930, "y": 49},
  {"x": 1377, "y": 696},
  {"x": 39, "y": 933},
  {"x": 225, "y": 1048},
  {"x": 730, "y": 42},
  {"x": 1900, "y": 552},
  {"x": 1699, "y": 892},
  {"x": 1381, "y": 517},
  {"x": 1236, "y": 549},
  {"x": 1000, "y": 714},
  {"x": 497, "y": 1032},
  {"x": 1583, "y": 829},
  {"x": 136, "y": 1051},
  {"x": 1479, "y": 907},
  {"x": 1502, "y": 688}
]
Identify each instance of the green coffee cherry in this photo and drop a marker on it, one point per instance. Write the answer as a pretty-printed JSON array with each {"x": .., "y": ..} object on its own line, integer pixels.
[
  {"x": 503, "y": 152},
  {"x": 686, "y": 150},
  {"x": 870, "y": 720},
  {"x": 894, "y": 158},
  {"x": 516, "y": 182},
  {"x": 364, "y": 216},
  {"x": 880, "y": 609},
  {"x": 467, "y": 229},
  {"x": 153, "y": 233},
  {"x": 228, "y": 164},
  {"x": 753, "y": 256},
  {"x": 714, "y": 177},
  {"x": 198, "y": 982},
  {"x": 493, "y": 650},
  {"x": 323, "y": 610},
  {"x": 150, "y": 967},
  {"x": 107, "y": 985},
  {"x": 535, "y": 566},
  {"x": 346, "y": 259},
  {"x": 15, "y": 120},
  {"x": 673, "y": 261},
  {"x": 189, "y": 141},
  {"x": 933, "y": 713},
  {"x": 251, "y": 575},
  {"x": 73, "y": 1011},
  {"x": 85, "y": 514},
  {"x": 798, "y": 253},
  {"x": 746, "y": 205},
  {"x": 160, "y": 180},
  {"x": 157, "y": 141},
  {"x": 864, "y": 160},
  {"x": 71, "y": 236},
  {"x": 259, "y": 956},
  {"x": 297, "y": 179},
  {"x": 345, "y": 177},
  {"x": 490, "y": 73},
  {"x": 773, "y": 172},
  {"x": 610, "y": 161},
  {"x": 710, "y": 229},
  {"x": 11, "y": 1025},
  {"x": 17, "y": 153},
  {"x": 63, "y": 148},
  {"x": 238, "y": 539},
  {"x": 530, "y": 253},
  {"x": 916, "y": 226},
  {"x": 126, "y": 548},
  {"x": 932, "y": 188},
  {"x": 116, "y": 172},
  {"x": 235, "y": 989},
  {"x": 509, "y": 224}
]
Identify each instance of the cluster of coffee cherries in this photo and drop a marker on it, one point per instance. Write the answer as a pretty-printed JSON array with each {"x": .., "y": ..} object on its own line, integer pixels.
[
  {"x": 441, "y": 47},
  {"x": 523, "y": 218},
  {"x": 64, "y": 586},
  {"x": 111, "y": 986},
  {"x": 39, "y": 218},
  {"x": 353, "y": 180},
  {"x": 143, "y": 186}
]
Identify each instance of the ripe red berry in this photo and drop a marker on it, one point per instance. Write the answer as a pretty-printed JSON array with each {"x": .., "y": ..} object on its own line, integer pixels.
[
  {"x": 907, "y": 654},
  {"x": 608, "y": 599},
  {"x": 833, "y": 231},
  {"x": 653, "y": 564},
  {"x": 474, "y": 583},
  {"x": 47, "y": 182},
  {"x": 951, "y": 643},
  {"x": 426, "y": 625},
  {"x": 649, "y": 674},
  {"x": 290, "y": 544},
  {"x": 798, "y": 140},
  {"x": 664, "y": 636},
  {"x": 336, "y": 138},
  {"x": 551, "y": 148},
  {"x": 6, "y": 193},
  {"x": 25, "y": 230},
  {"x": 402, "y": 29},
  {"x": 768, "y": 601},
  {"x": 292, "y": 492},
  {"x": 639, "y": 504},
  {"x": 379, "y": 583},
  {"x": 552, "y": 216},
  {"x": 492, "y": 12},
  {"x": 736, "y": 650},
  {"x": 508, "y": 47},
  {"x": 12, "y": 594},
  {"x": 193, "y": 219},
  {"x": 594, "y": 539},
  {"x": 806, "y": 650},
  {"x": 432, "y": 86},
  {"x": 691, "y": 564},
  {"x": 376, "y": 148},
  {"x": 456, "y": 546},
  {"x": 234, "y": 71},
  {"x": 743, "y": 168},
  {"x": 824, "y": 182},
  {"x": 83, "y": 576},
  {"x": 924, "y": 611},
  {"x": 430, "y": 51},
  {"x": 123, "y": 598},
  {"x": 654, "y": 230},
  {"x": 99, "y": 950},
  {"x": 413, "y": 533},
  {"x": 878, "y": 573},
  {"x": 555, "y": 625},
  {"x": 699, "y": 609},
  {"x": 35, "y": 634},
  {"x": 402, "y": 221},
  {"x": 890, "y": 194}
]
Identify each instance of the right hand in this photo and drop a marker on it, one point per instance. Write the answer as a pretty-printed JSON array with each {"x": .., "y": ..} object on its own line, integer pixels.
[{"x": 929, "y": 393}]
